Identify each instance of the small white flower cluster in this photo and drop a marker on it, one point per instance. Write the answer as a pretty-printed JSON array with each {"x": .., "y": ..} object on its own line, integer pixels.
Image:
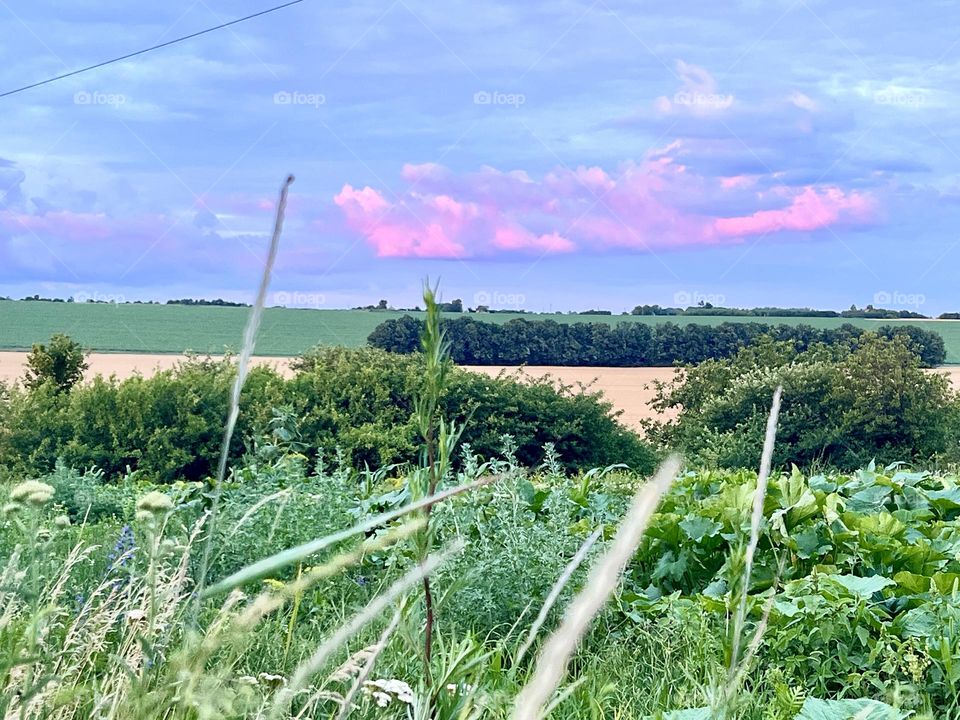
[
  {"x": 268, "y": 680},
  {"x": 384, "y": 692},
  {"x": 271, "y": 680}
]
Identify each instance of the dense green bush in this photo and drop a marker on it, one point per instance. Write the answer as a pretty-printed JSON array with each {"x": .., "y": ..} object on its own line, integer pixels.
[
  {"x": 358, "y": 401},
  {"x": 362, "y": 401},
  {"x": 61, "y": 362},
  {"x": 168, "y": 426},
  {"x": 628, "y": 344},
  {"x": 841, "y": 407}
]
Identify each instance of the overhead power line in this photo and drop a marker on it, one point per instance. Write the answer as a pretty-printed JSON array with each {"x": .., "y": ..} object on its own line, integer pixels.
[{"x": 150, "y": 49}]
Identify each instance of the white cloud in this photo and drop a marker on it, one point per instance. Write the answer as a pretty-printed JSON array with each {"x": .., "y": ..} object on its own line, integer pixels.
[
  {"x": 804, "y": 102},
  {"x": 698, "y": 93}
]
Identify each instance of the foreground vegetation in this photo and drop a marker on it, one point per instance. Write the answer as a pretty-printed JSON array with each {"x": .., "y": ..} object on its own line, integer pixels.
[
  {"x": 389, "y": 537},
  {"x": 854, "y": 589}
]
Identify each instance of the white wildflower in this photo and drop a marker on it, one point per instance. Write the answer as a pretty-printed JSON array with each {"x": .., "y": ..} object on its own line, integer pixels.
[
  {"x": 397, "y": 688},
  {"x": 272, "y": 680}
]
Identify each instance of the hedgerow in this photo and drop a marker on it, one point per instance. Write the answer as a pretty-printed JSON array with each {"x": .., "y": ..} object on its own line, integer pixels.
[
  {"x": 629, "y": 344},
  {"x": 354, "y": 401}
]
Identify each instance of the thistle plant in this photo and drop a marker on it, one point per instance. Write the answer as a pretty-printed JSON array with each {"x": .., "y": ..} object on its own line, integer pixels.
[
  {"x": 152, "y": 510},
  {"x": 27, "y": 501}
]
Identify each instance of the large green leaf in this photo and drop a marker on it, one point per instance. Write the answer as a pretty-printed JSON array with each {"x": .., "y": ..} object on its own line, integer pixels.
[
  {"x": 809, "y": 543},
  {"x": 908, "y": 479},
  {"x": 869, "y": 500},
  {"x": 882, "y": 523},
  {"x": 863, "y": 586},
  {"x": 821, "y": 484},
  {"x": 864, "y": 709},
  {"x": 912, "y": 582},
  {"x": 697, "y": 528},
  {"x": 918, "y": 622},
  {"x": 943, "y": 500},
  {"x": 703, "y": 713}
]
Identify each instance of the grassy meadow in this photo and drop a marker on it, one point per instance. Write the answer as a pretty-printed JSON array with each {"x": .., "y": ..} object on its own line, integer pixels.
[
  {"x": 384, "y": 536},
  {"x": 290, "y": 331}
]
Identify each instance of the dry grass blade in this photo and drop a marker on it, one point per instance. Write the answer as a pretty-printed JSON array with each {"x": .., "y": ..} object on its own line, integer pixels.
[
  {"x": 556, "y": 652},
  {"x": 740, "y": 673},
  {"x": 246, "y": 352},
  {"x": 269, "y": 601},
  {"x": 555, "y": 591},
  {"x": 364, "y": 673},
  {"x": 350, "y": 628},
  {"x": 756, "y": 519},
  {"x": 267, "y": 566},
  {"x": 253, "y": 325},
  {"x": 285, "y": 493}
]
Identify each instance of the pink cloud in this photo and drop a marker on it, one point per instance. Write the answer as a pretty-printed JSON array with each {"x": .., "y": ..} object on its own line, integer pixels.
[
  {"x": 400, "y": 231},
  {"x": 368, "y": 200},
  {"x": 424, "y": 171},
  {"x": 516, "y": 238},
  {"x": 809, "y": 210},
  {"x": 656, "y": 203},
  {"x": 84, "y": 226},
  {"x": 737, "y": 181}
]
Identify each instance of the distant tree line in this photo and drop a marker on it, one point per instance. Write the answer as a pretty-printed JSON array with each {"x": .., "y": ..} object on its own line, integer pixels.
[
  {"x": 216, "y": 303},
  {"x": 628, "y": 344},
  {"x": 97, "y": 301},
  {"x": 37, "y": 298},
  {"x": 456, "y": 306},
  {"x": 706, "y": 309},
  {"x": 382, "y": 305}
]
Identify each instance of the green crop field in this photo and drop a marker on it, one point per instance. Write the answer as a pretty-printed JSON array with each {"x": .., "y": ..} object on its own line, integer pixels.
[{"x": 290, "y": 331}]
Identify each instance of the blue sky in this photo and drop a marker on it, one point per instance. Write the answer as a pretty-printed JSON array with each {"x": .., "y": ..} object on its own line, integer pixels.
[{"x": 546, "y": 155}]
